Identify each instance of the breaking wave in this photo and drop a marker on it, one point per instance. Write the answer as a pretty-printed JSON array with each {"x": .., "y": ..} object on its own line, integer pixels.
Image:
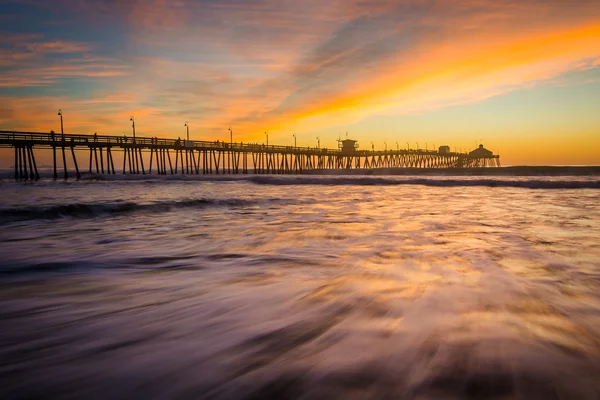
[
  {"x": 371, "y": 181},
  {"x": 89, "y": 210}
]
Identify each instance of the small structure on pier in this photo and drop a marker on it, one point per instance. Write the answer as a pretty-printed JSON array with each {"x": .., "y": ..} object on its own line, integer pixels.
[
  {"x": 444, "y": 149},
  {"x": 347, "y": 146},
  {"x": 481, "y": 152}
]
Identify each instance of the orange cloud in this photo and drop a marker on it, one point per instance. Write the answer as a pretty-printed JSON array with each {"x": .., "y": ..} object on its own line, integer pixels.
[{"x": 448, "y": 74}]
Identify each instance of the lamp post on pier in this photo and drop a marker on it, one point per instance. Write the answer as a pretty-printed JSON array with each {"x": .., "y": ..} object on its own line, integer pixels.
[
  {"x": 231, "y": 152},
  {"x": 133, "y": 127},
  {"x": 372, "y": 147},
  {"x": 62, "y": 130},
  {"x": 385, "y": 143},
  {"x": 295, "y": 145},
  {"x": 318, "y": 143},
  {"x": 267, "y": 135},
  {"x": 135, "y": 151},
  {"x": 62, "y": 134},
  {"x": 407, "y": 146},
  {"x": 397, "y": 146},
  {"x": 188, "y": 130}
]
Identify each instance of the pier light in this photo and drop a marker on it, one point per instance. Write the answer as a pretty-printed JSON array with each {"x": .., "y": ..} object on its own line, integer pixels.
[
  {"x": 188, "y": 130},
  {"x": 425, "y": 146},
  {"x": 230, "y": 135},
  {"x": 267, "y": 135},
  {"x": 385, "y": 144},
  {"x": 407, "y": 146},
  {"x": 295, "y": 140},
  {"x": 318, "y": 143},
  {"x": 397, "y": 146},
  {"x": 417, "y": 146},
  {"x": 372, "y": 146},
  {"x": 133, "y": 127},
  {"x": 62, "y": 130}
]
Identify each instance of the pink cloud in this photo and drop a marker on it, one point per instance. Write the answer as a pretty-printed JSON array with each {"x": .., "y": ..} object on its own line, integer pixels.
[{"x": 57, "y": 47}]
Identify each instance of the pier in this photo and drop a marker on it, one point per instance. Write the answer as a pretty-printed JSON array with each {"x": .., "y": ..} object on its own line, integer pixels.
[{"x": 152, "y": 155}]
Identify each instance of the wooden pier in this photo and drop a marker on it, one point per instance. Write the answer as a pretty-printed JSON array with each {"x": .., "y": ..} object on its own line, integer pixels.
[{"x": 175, "y": 156}]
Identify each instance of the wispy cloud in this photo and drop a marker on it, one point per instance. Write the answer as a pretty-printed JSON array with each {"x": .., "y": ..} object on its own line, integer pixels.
[{"x": 28, "y": 60}]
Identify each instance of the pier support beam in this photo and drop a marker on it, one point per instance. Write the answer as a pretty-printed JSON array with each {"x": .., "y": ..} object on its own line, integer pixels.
[
  {"x": 141, "y": 161},
  {"x": 96, "y": 159},
  {"x": 54, "y": 158},
  {"x": 64, "y": 157},
  {"x": 30, "y": 162},
  {"x": 110, "y": 157},
  {"x": 20, "y": 163},
  {"x": 16, "y": 163},
  {"x": 101, "y": 160},
  {"x": 129, "y": 158},
  {"x": 169, "y": 157},
  {"x": 24, "y": 162},
  {"x": 32, "y": 155},
  {"x": 77, "y": 174}
]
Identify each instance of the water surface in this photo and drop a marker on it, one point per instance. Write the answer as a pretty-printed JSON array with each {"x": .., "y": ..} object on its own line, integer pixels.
[{"x": 301, "y": 287}]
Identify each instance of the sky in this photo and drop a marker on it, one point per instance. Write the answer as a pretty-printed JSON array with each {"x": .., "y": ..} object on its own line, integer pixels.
[{"x": 520, "y": 76}]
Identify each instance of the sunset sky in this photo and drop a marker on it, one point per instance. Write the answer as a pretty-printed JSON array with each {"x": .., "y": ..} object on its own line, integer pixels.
[{"x": 523, "y": 76}]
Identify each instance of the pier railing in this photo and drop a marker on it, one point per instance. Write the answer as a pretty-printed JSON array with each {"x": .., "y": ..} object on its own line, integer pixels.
[{"x": 7, "y": 138}]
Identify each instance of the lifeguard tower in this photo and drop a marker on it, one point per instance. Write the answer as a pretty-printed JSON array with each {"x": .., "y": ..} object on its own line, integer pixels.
[{"x": 347, "y": 146}]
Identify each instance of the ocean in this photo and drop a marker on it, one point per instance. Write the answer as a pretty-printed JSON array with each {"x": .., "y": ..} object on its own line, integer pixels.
[{"x": 301, "y": 287}]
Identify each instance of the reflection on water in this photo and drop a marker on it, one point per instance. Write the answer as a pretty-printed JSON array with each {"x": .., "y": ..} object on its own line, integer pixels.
[{"x": 238, "y": 290}]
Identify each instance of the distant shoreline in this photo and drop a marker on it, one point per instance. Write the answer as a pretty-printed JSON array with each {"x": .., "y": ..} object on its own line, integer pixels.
[
  {"x": 502, "y": 171},
  {"x": 512, "y": 171}
]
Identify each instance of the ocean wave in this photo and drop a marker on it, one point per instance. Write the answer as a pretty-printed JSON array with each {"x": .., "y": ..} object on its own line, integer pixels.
[
  {"x": 371, "y": 181},
  {"x": 89, "y": 210}
]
